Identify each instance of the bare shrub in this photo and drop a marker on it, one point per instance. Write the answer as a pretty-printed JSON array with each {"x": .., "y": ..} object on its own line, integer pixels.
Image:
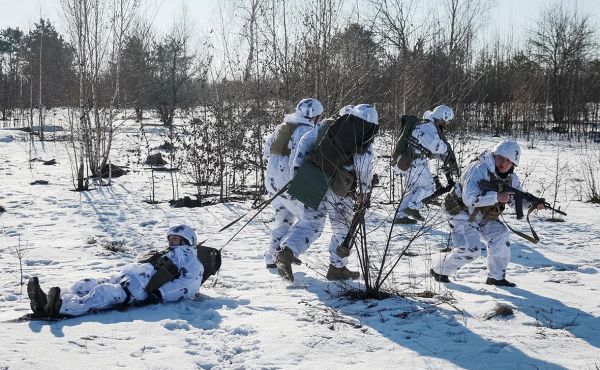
[
  {"x": 501, "y": 310},
  {"x": 19, "y": 252},
  {"x": 591, "y": 175}
]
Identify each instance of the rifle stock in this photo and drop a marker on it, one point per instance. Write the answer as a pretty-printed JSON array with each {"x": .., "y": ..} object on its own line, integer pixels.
[{"x": 343, "y": 250}]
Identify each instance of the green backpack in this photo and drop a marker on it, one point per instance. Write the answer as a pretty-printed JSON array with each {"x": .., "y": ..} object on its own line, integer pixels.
[
  {"x": 404, "y": 153},
  {"x": 334, "y": 148}
]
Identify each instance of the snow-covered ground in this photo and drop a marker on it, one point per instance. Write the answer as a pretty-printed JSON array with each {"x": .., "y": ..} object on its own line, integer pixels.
[{"x": 249, "y": 318}]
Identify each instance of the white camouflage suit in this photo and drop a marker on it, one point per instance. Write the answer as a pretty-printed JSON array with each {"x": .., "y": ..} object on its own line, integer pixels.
[
  {"x": 279, "y": 173},
  {"x": 418, "y": 180},
  {"x": 339, "y": 209},
  {"x": 471, "y": 237},
  {"x": 89, "y": 295}
]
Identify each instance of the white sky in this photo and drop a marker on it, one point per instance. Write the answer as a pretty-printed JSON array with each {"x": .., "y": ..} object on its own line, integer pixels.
[{"x": 505, "y": 16}]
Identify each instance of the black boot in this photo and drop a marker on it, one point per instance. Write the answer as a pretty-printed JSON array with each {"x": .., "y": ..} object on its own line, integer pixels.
[
  {"x": 439, "y": 277},
  {"x": 503, "y": 282},
  {"x": 37, "y": 297},
  {"x": 54, "y": 303}
]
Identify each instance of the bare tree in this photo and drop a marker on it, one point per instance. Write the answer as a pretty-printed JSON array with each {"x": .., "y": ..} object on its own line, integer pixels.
[
  {"x": 19, "y": 252},
  {"x": 561, "y": 41}
]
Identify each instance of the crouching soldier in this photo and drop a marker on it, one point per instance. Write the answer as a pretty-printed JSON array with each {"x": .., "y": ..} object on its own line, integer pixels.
[
  {"x": 473, "y": 215},
  {"x": 166, "y": 276},
  {"x": 333, "y": 166}
]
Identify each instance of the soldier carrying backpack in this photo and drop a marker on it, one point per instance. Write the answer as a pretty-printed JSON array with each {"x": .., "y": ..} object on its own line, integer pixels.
[
  {"x": 334, "y": 170},
  {"x": 279, "y": 171},
  {"x": 420, "y": 141}
]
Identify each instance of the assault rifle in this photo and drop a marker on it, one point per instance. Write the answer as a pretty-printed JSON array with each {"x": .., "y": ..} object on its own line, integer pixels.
[
  {"x": 439, "y": 188},
  {"x": 449, "y": 167},
  {"x": 343, "y": 250},
  {"x": 486, "y": 185}
]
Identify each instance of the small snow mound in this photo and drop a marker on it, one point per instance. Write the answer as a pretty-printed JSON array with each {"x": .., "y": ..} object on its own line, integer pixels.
[
  {"x": 176, "y": 325},
  {"x": 38, "y": 262},
  {"x": 207, "y": 320},
  {"x": 8, "y": 298},
  {"x": 242, "y": 331}
]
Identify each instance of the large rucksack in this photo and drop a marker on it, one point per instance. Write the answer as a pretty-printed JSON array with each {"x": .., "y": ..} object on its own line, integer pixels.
[
  {"x": 334, "y": 149},
  {"x": 404, "y": 153}
]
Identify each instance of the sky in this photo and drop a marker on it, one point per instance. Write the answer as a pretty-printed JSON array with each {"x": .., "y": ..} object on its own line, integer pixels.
[{"x": 505, "y": 16}]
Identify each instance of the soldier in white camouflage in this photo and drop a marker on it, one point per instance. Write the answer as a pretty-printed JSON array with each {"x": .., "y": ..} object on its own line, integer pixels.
[
  {"x": 279, "y": 172},
  {"x": 418, "y": 180},
  {"x": 474, "y": 215},
  {"x": 169, "y": 276},
  {"x": 338, "y": 204}
]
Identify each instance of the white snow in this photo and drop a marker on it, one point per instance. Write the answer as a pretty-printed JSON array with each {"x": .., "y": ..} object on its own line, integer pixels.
[{"x": 249, "y": 318}]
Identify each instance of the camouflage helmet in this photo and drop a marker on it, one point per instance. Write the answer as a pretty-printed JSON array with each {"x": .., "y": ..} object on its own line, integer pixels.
[
  {"x": 509, "y": 149},
  {"x": 185, "y": 232}
]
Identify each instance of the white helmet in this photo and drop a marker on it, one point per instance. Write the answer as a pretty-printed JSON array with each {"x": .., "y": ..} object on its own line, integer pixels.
[
  {"x": 427, "y": 114},
  {"x": 346, "y": 110},
  {"x": 442, "y": 112},
  {"x": 309, "y": 108},
  {"x": 366, "y": 112},
  {"x": 508, "y": 149},
  {"x": 185, "y": 232}
]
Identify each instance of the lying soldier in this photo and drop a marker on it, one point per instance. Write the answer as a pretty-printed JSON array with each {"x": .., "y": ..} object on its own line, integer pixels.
[{"x": 166, "y": 276}]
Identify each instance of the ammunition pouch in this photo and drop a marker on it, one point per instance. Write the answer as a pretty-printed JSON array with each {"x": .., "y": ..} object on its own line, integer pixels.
[
  {"x": 488, "y": 213},
  {"x": 454, "y": 204}
]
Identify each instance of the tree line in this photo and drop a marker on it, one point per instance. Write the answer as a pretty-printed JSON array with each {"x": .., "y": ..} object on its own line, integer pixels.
[{"x": 262, "y": 56}]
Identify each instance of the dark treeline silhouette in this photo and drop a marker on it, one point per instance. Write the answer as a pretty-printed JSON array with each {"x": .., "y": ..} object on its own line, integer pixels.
[{"x": 272, "y": 53}]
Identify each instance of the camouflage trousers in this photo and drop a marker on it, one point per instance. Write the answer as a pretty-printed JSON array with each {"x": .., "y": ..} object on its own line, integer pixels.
[
  {"x": 469, "y": 239},
  {"x": 307, "y": 230},
  {"x": 287, "y": 213},
  {"x": 418, "y": 185}
]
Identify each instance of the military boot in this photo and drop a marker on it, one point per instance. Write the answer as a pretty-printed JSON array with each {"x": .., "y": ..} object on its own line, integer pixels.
[
  {"x": 37, "y": 297},
  {"x": 439, "y": 277},
  {"x": 295, "y": 261},
  {"x": 284, "y": 264},
  {"x": 54, "y": 303},
  {"x": 503, "y": 282},
  {"x": 342, "y": 251},
  {"x": 341, "y": 273},
  {"x": 414, "y": 213}
]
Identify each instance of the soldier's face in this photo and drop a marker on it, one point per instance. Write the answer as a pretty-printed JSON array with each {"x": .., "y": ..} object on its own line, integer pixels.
[
  {"x": 174, "y": 240},
  {"x": 503, "y": 164}
]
